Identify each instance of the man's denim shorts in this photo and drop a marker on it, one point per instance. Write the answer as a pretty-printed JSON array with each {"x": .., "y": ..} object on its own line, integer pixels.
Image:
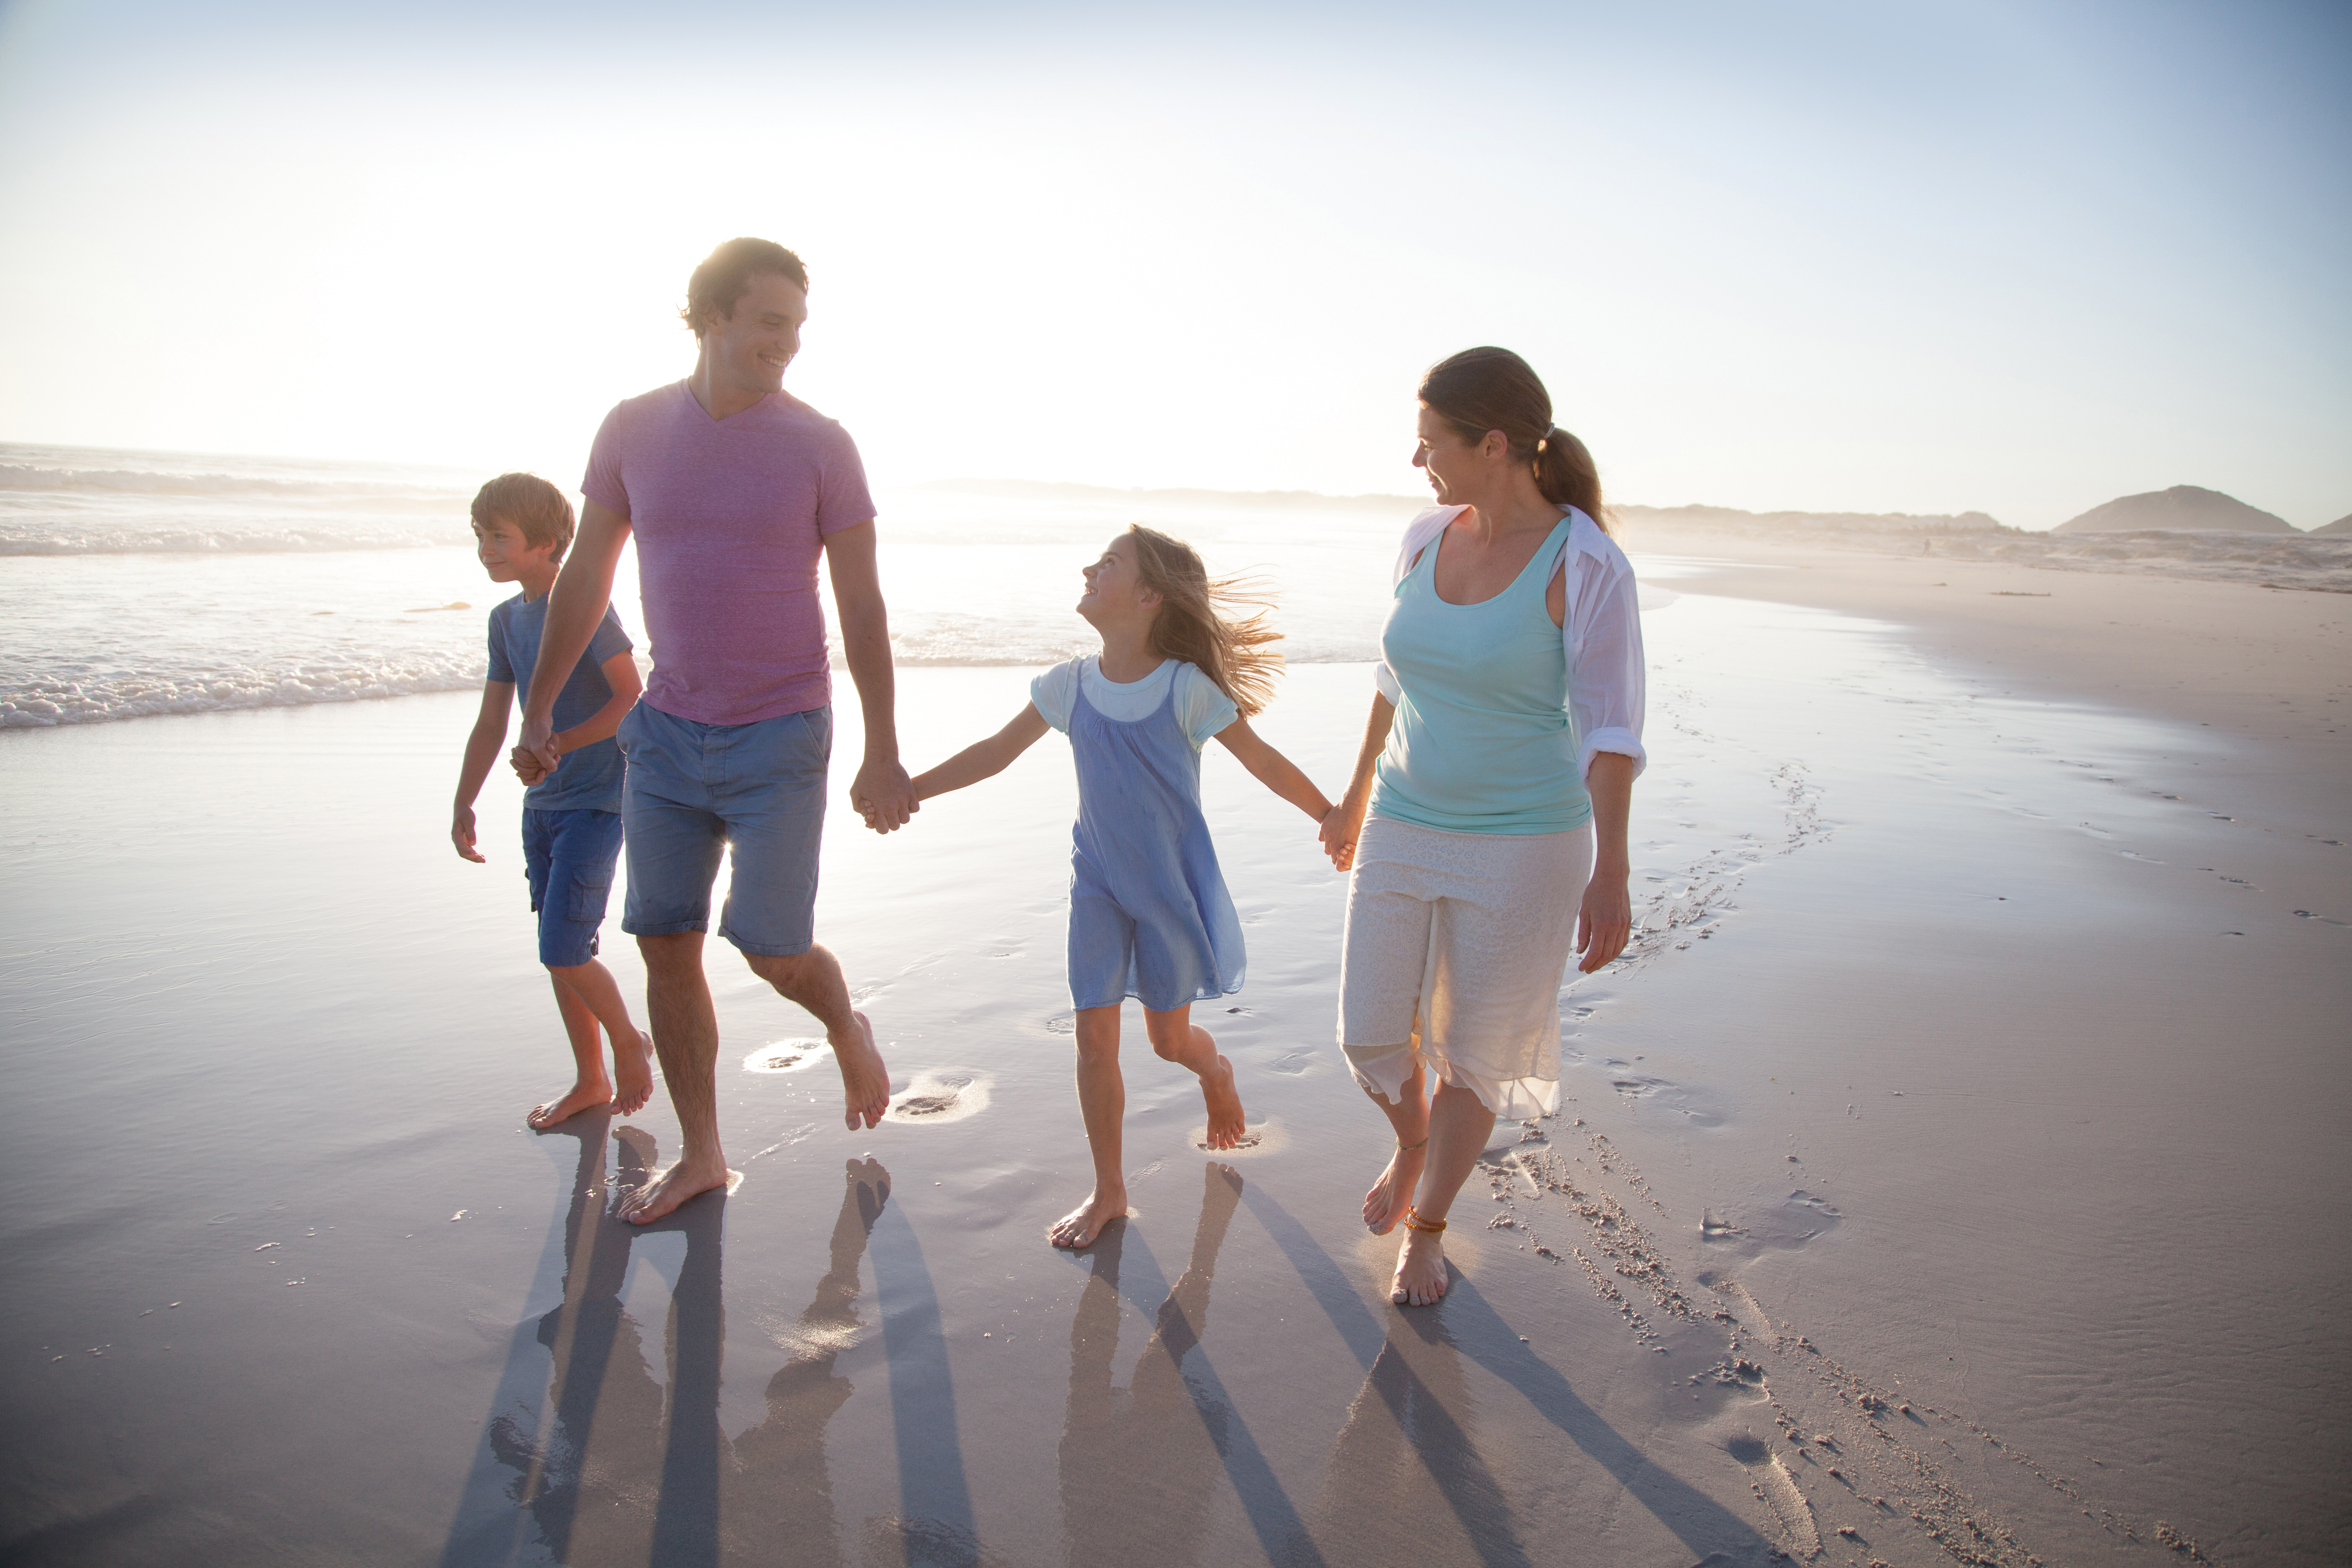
[
  {"x": 755, "y": 789},
  {"x": 568, "y": 857}
]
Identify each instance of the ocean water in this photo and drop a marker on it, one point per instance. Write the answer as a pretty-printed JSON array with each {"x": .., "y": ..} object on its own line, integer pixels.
[{"x": 134, "y": 584}]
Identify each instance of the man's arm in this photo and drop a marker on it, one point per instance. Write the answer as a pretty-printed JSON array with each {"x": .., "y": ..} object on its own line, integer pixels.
[
  {"x": 575, "y": 606},
  {"x": 882, "y": 793},
  {"x": 481, "y": 751}
]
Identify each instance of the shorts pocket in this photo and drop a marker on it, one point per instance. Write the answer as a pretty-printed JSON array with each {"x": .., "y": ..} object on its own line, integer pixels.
[{"x": 591, "y": 889}]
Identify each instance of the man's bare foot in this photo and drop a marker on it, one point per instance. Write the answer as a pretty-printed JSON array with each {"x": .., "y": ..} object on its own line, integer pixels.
[
  {"x": 864, "y": 1081},
  {"x": 1421, "y": 1275},
  {"x": 1392, "y": 1194},
  {"x": 584, "y": 1096},
  {"x": 632, "y": 1071},
  {"x": 1080, "y": 1227},
  {"x": 1227, "y": 1120},
  {"x": 687, "y": 1179}
]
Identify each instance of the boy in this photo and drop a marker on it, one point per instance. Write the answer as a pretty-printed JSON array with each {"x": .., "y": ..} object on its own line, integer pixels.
[{"x": 571, "y": 816}]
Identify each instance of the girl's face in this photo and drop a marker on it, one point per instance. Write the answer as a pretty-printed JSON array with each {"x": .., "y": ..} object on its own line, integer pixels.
[
  {"x": 1115, "y": 594},
  {"x": 1457, "y": 470}
]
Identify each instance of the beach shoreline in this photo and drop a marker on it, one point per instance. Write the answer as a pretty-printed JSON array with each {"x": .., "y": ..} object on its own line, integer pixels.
[{"x": 1799, "y": 1111}]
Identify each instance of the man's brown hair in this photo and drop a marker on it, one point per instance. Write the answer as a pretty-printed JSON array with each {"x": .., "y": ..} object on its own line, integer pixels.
[
  {"x": 536, "y": 508},
  {"x": 725, "y": 276}
]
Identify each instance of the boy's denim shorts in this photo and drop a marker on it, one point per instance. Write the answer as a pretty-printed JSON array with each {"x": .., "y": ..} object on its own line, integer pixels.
[
  {"x": 757, "y": 790},
  {"x": 569, "y": 856}
]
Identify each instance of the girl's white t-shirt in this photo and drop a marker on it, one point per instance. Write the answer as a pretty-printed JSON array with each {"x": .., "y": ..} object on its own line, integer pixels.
[{"x": 1200, "y": 709}]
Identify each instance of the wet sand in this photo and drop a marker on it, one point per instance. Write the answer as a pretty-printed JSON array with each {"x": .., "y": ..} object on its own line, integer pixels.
[{"x": 1982, "y": 1054}]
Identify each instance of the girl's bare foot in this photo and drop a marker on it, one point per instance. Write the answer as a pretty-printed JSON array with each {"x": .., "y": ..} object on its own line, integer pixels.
[
  {"x": 1389, "y": 1197},
  {"x": 584, "y": 1096},
  {"x": 864, "y": 1081},
  {"x": 1080, "y": 1227},
  {"x": 1227, "y": 1120},
  {"x": 1421, "y": 1275},
  {"x": 632, "y": 1071}
]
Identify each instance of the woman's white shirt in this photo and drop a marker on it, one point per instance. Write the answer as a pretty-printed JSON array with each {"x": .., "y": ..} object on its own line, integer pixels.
[
  {"x": 1200, "y": 709},
  {"x": 1601, "y": 633}
]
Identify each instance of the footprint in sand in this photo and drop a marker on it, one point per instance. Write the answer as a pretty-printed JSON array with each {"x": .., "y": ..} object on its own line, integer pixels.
[
  {"x": 787, "y": 1056},
  {"x": 1778, "y": 1489},
  {"x": 936, "y": 1098}
]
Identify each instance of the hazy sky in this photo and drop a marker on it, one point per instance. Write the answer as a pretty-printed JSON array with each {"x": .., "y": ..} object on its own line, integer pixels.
[{"x": 2020, "y": 258}]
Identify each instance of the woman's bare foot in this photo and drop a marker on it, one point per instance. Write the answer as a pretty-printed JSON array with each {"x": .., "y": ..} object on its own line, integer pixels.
[
  {"x": 1080, "y": 1227},
  {"x": 687, "y": 1179},
  {"x": 1389, "y": 1197},
  {"x": 584, "y": 1096},
  {"x": 864, "y": 1081},
  {"x": 1227, "y": 1122},
  {"x": 1421, "y": 1275},
  {"x": 632, "y": 1071}
]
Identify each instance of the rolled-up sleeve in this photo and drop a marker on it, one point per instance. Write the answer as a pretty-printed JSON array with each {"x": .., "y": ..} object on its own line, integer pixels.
[{"x": 1606, "y": 685}]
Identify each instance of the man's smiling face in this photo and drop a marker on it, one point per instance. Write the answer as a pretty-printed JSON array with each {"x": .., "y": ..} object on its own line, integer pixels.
[{"x": 759, "y": 338}]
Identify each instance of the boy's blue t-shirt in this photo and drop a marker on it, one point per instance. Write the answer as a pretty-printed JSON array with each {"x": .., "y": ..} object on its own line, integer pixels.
[{"x": 590, "y": 778}]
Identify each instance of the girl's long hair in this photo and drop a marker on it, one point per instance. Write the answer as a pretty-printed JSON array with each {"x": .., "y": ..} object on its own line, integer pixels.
[
  {"x": 1485, "y": 389},
  {"x": 1223, "y": 626}
]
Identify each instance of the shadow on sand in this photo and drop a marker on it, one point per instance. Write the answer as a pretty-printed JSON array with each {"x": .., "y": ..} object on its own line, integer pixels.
[
  {"x": 1410, "y": 1412},
  {"x": 578, "y": 1425},
  {"x": 589, "y": 1459}
]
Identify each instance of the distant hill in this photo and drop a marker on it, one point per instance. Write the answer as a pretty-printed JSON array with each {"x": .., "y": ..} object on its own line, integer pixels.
[
  {"x": 2183, "y": 508},
  {"x": 2341, "y": 525}
]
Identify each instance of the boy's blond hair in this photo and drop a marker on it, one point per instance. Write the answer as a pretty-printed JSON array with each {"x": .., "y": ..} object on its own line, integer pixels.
[{"x": 535, "y": 508}]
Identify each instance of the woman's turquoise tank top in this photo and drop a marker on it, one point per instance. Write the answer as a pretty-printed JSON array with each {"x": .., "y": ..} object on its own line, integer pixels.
[{"x": 1483, "y": 742}]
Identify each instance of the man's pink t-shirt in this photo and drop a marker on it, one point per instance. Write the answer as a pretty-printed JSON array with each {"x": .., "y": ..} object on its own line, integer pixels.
[{"x": 729, "y": 517}]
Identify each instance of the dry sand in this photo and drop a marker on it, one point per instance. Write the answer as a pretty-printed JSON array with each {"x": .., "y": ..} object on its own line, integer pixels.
[{"x": 1982, "y": 1054}]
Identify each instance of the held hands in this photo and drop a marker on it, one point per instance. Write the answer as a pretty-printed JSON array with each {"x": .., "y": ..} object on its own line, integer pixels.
[
  {"x": 538, "y": 744},
  {"x": 883, "y": 795},
  {"x": 1341, "y": 828},
  {"x": 527, "y": 766},
  {"x": 461, "y": 834}
]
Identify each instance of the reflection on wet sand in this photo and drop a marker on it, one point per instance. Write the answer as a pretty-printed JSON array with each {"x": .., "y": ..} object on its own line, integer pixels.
[
  {"x": 631, "y": 1473},
  {"x": 1139, "y": 1468},
  {"x": 592, "y": 1460},
  {"x": 616, "y": 1428},
  {"x": 779, "y": 1506}
]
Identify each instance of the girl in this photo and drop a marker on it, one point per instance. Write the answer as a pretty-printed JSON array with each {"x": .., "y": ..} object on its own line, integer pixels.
[{"x": 1150, "y": 917}]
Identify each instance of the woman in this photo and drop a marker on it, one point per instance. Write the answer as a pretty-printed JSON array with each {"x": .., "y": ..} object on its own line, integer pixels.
[{"x": 1496, "y": 770}]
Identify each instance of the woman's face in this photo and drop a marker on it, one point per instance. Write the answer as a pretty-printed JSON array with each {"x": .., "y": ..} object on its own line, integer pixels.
[
  {"x": 1455, "y": 466},
  {"x": 1115, "y": 588}
]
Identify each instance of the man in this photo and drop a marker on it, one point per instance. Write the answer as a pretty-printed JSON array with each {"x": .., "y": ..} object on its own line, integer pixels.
[{"x": 732, "y": 489}]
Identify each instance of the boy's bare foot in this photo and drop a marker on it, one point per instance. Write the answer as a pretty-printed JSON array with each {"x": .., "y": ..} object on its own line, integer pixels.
[
  {"x": 632, "y": 1071},
  {"x": 1080, "y": 1227},
  {"x": 1392, "y": 1194},
  {"x": 1421, "y": 1275},
  {"x": 864, "y": 1081},
  {"x": 1227, "y": 1122},
  {"x": 582, "y": 1096},
  {"x": 687, "y": 1179}
]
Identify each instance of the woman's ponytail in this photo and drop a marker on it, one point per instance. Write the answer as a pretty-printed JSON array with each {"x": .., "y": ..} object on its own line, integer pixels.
[{"x": 1566, "y": 474}]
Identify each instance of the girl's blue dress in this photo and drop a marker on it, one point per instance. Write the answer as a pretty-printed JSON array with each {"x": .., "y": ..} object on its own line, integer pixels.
[{"x": 1149, "y": 916}]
